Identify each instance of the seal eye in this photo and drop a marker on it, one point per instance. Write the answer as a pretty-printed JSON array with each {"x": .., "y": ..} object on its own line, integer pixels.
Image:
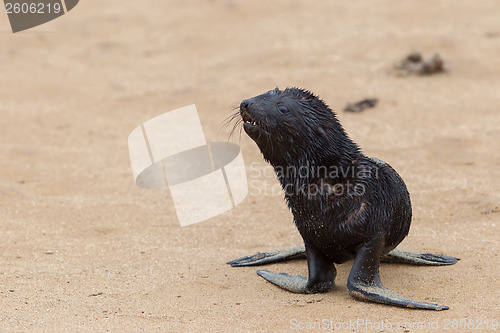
[{"x": 283, "y": 109}]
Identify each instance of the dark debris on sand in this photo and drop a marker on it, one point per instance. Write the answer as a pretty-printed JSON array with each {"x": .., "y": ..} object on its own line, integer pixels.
[
  {"x": 415, "y": 64},
  {"x": 361, "y": 105}
]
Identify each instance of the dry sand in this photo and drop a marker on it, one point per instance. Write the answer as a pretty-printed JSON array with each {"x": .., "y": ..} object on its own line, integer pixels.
[{"x": 84, "y": 249}]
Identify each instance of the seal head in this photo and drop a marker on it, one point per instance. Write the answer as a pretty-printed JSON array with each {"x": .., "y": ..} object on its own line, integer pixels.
[{"x": 292, "y": 125}]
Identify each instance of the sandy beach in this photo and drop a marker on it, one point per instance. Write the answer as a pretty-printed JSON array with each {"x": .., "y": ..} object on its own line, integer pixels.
[{"x": 83, "y": 249}]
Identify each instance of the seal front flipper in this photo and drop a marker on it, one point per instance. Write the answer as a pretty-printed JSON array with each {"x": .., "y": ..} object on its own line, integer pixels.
[
  {"x": 296, "y": 284},
  {"x": 364, "y": 280},
  {"x": 296, "y": 252},
  {"x": 418, "y": 258},
  {"x": 321, "y": 279},
  {"x": 376, "y": 292}
]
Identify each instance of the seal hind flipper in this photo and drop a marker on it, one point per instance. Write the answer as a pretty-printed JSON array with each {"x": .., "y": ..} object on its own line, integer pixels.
[
  {"x": 321, "y": 279},
  {"x": 418, "y": 258},
  {"x": 263, "y": 258},
  {"x": 364, "y": 280}
]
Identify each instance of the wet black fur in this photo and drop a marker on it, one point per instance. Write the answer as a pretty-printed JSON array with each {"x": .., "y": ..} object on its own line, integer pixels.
[{"x": 310, "y": 137}]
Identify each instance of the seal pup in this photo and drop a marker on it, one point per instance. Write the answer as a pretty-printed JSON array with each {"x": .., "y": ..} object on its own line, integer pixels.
[{"x": 345, "y": 205}]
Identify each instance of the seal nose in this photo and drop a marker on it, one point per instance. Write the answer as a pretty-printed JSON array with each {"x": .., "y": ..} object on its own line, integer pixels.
[{"x": 244, "y": 105}]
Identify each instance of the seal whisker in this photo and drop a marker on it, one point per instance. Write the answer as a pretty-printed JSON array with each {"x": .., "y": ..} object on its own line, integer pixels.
[
  {"x": 235, "y": 126},
  {"x": 234, "y": 119}
]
